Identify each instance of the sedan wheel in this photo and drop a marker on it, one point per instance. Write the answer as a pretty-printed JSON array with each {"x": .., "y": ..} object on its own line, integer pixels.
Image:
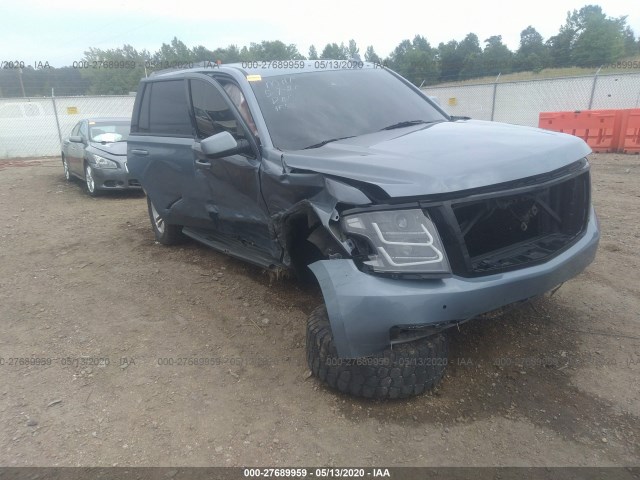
[
  {"x": 91, "y": 183},
  {"x": 65, "y": 165}
]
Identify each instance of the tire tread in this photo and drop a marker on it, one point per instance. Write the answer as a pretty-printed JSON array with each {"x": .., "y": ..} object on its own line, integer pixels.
[{"x": 393, "y": 380}]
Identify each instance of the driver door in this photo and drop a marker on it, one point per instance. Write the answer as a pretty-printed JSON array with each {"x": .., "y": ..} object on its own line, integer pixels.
[
  {"x": 237, "y": 212},
  {"x": 75, "y": 151}
]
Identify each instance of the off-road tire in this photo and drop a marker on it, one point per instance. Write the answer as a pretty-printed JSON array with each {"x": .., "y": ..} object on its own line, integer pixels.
[
  {"x": 166, "y": 234},
  {"x": 408, "y": 369}
]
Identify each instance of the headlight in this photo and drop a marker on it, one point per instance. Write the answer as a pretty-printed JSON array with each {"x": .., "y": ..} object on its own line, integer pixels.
[
  {"x": 101, "y": 162},
  {"x": 405, "y": 241}
]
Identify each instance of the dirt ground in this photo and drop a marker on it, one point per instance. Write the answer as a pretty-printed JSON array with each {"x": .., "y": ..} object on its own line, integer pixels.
[{"x": 92, "y": 311}]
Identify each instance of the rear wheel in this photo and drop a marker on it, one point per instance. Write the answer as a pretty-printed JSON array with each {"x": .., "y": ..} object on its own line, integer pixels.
[
  {"x": 408, "y": 369},
  {"x": 165, "y": 233}
]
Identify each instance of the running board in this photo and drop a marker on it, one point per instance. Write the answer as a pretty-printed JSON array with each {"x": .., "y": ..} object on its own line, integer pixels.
[{"x": 233, "y": 248}]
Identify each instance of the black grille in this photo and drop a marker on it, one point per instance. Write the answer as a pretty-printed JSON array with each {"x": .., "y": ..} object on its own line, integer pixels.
[{"x": 506, "y": 230}]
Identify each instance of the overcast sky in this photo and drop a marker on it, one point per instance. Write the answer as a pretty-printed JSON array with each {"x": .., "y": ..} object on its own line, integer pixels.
[{"x": 59, "y": 31}]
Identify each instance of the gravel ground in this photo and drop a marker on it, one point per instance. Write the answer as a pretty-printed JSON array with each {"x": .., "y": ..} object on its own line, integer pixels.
[{"x": 93, "y": 312}]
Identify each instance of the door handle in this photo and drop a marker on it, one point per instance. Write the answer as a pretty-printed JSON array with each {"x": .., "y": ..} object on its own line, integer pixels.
[
  {"x": 136, "y": 151},
  {"x": 202, "y": 164}
]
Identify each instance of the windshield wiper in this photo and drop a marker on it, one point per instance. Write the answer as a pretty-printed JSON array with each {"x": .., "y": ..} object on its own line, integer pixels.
[
  {"x": 406, "y": 123},
  {"x": 324, "y": 142}
]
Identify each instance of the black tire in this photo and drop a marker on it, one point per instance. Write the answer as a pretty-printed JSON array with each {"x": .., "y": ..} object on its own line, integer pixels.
[
  {"x": 89, "y": 181},
  {"x": 408, "y": 369},
  {"x": 65, "y": 166},
  {"x": 165, "y": 233}
]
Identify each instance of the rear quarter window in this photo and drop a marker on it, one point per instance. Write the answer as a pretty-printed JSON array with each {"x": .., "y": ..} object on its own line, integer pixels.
[{"x": 168, "y": 109}]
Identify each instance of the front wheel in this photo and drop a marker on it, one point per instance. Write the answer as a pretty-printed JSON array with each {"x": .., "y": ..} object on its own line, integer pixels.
[
  {"x": 65, "y": 166},
  {"x": 165, "y": 233},
  {"x": 90, "y": 181},
  {"x": 405, "y": 370}
]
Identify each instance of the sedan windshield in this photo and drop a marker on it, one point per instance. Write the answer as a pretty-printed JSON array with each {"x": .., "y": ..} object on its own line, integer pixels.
[
  {"x": 308, "y": 110},
  {"x": 109, "y": 132}
]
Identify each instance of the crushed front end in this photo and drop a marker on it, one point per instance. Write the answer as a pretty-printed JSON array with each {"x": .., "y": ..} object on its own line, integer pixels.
[{"x": 435, "y": 261}]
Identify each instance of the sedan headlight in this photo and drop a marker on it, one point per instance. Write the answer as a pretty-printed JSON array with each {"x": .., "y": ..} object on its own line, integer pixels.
[
  {"x": 101, "y": 162},
  {"x": 405, "y": 241}
]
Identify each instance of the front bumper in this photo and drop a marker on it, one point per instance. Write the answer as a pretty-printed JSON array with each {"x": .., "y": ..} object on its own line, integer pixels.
[
  {"x": 114, "y": 179},
  {"x": 363, "y": 308}
]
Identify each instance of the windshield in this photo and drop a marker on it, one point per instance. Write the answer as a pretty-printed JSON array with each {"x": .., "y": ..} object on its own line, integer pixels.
[
  {"x": 306, "y": 109},
  {"x": 109, "y": 132}
]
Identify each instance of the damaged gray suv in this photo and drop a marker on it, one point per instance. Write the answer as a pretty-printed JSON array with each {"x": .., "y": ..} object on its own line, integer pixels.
[{"x": 410, "y": 220}]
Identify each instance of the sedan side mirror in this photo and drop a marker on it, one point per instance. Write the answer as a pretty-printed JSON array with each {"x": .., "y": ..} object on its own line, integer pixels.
[
  {"x": 223, "y": 144},
  {"x": 75, "y": 139}
]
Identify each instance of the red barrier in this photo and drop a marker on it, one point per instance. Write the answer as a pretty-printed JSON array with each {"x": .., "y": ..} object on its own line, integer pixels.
[
  {"x": 629, "y": 140},
  {"x": 599, "y": 128}
]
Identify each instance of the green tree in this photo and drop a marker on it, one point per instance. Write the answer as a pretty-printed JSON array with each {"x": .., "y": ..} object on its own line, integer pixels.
[
  {"x": 201, "y": 54},
  {"x": 175, "y": 52},
  {"x": 335, "y": 52},
  {"x": 496, "y": 57},
  {"x": 40, "y": 81},
  {"x": 559, "y": 47},
  {"x": 115, "y": 81},
  {"x": 415, "y": 60},
  {"x": 631, "y": 47},
  {"x": 471, "y": 54},
  {"x": 588, "y": 39},
  {"x": 313, "y": 53},
  {"x": 270, "y": 50},
  {"x": 599, "y": 40},
  {"x": 371, "y": 56},
  {"x": 450, "y": 61},
  {"x": 353, "y": 50},
  {"x": 533, "y": 54},
  {"x": 230, "y": 54}
]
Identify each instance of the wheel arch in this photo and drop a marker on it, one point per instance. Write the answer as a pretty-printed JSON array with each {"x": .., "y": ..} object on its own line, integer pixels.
[{"x": 306, "y": 235}]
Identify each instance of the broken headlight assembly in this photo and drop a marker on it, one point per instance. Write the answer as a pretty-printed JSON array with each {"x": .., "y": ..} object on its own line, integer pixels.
[{"x": 399, "y": 241}]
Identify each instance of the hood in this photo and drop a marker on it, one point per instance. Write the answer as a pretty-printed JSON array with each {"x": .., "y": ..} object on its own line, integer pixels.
[
  {"x": 116, "y": 148},
  {"x": 443, "y": 157}
]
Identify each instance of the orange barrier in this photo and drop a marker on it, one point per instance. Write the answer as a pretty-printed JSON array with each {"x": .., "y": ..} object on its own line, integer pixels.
[
  {"x": 603, "y": 130},
  {"x": 599, "y": 128},
  {"x": 629, "y": 140}
]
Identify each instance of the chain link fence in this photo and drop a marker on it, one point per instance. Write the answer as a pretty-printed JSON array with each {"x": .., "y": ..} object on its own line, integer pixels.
[
  {"x": 35, "y": 127},
  {"x": 521, "y": 102}
]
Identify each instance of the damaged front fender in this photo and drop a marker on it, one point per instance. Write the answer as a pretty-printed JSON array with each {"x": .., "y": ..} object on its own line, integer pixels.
[{"x": 307, "y": 210}]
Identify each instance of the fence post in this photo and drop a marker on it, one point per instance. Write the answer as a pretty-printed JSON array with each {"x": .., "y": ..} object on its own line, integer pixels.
[
  {"x": 55, "y": 112},
  {"x": 593, "y": 88},
  {"x": 495, "y": 90}
]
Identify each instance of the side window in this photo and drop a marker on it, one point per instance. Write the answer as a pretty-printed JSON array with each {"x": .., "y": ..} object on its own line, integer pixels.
[
  {"x": 76, "y": 130},
  {"x": 84, "y": 130},
  {"x": 168, "y": 109},
  {"x": 212, "y": 113}
]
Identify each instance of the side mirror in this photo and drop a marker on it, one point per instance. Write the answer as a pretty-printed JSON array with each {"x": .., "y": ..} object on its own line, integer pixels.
[
  {"x": 75, "y": 139},
  {"x": 223, "y": 144}
]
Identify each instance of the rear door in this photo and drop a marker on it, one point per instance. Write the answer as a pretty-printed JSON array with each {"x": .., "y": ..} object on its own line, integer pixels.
[{"x": 160, "y": 155}]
